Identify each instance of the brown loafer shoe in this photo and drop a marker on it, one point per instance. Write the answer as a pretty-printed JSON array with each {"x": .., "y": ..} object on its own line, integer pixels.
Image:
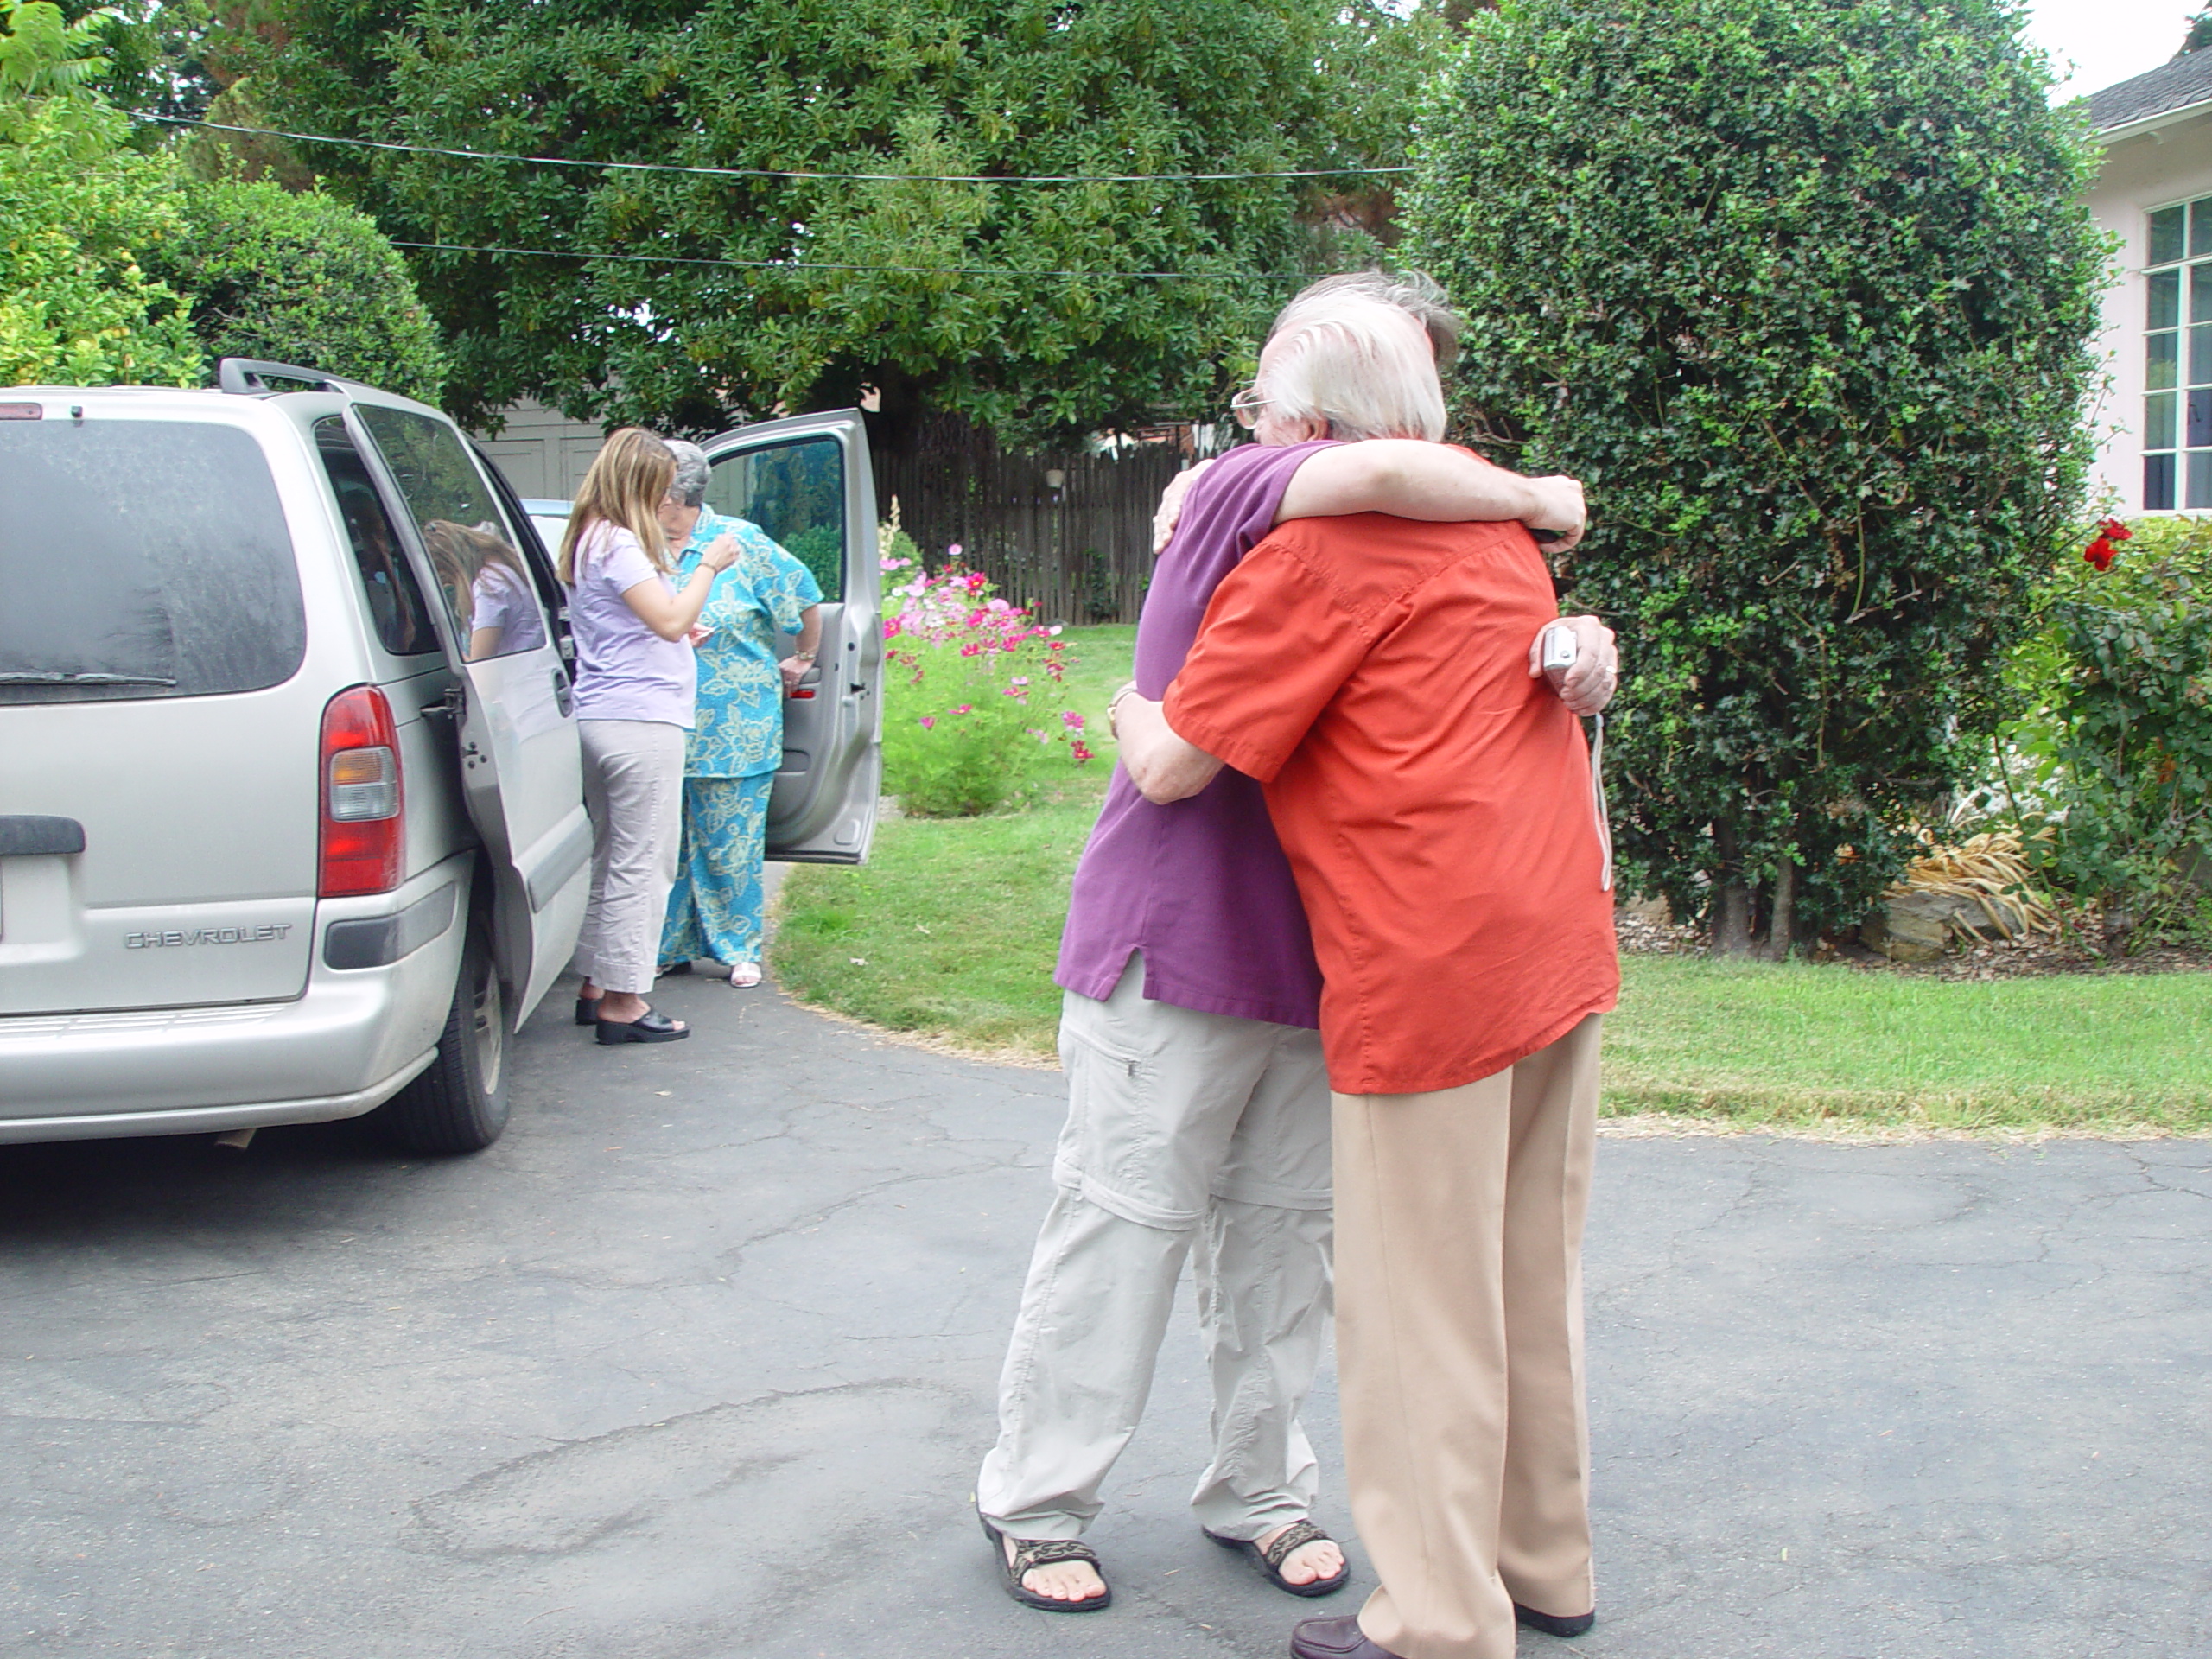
[
  {"x": 1334, "y": 1638},
  {"x": 1567, "y": 1628}
]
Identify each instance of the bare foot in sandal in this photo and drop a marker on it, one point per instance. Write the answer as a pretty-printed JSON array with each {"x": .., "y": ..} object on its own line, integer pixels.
[
  {"x": 1321, "y": 1559},
  {"x": 744, "y": 976},
  {"x": 1061, "y": 1580}
]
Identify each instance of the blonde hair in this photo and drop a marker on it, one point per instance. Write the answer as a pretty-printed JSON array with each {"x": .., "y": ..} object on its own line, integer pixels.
[
  {"x": 459, "y": 553},
  {"x": 1364, "y": 367},
  {"x": 624, "y": 488}
]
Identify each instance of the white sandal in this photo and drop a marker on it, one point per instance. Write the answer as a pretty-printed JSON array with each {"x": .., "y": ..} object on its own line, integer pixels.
[{"x": 744, "y": 976}]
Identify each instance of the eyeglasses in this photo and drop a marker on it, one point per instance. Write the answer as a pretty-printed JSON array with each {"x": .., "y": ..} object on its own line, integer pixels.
[{"x": 1246, "y": 406}]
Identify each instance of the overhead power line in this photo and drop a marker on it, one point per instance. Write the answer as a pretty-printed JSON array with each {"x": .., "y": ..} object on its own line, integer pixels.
[
  {"x": 772, "y": 172},
  {"x": 900, "y": 271}
]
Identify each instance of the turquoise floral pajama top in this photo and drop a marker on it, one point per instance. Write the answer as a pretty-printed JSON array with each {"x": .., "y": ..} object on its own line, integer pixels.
[{"x": 760, "y": 597}]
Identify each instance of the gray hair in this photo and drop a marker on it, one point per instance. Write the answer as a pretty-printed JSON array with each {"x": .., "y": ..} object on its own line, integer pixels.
[
  {"x": 1413, "y": 292},
  {"x": 692, "y": 471},
  {"x": 1362, "y": 366}
]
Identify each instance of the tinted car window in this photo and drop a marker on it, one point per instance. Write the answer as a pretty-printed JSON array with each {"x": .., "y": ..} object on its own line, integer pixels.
[
  {"x": 395, "y": 607},
  {"x": 142, "y": 559},
  {"x": 482, "y": 578},
  {"x": 795, "y": 491}
]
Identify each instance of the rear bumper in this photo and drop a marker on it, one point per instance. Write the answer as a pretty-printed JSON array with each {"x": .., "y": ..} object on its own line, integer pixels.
[
  {"x": 354, "y": 1040},
  {"x": 215, "y": 1120}
]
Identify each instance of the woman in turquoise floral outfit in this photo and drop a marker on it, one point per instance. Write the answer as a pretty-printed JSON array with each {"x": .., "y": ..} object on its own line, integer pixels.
[{"x": 714, "y": 908}]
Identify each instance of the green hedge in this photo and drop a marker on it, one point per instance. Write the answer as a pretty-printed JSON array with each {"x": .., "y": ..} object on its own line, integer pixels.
[
  {"x": 1802, "y": 289},
  {"x": 301, "y": 279}
]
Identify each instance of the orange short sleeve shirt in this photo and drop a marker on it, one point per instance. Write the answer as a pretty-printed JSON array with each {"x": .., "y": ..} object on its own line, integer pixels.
[{"x": 1435, "y": 801}]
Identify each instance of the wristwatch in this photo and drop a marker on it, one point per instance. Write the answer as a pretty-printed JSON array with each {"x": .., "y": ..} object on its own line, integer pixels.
[{"x": 1114, "y": 707}]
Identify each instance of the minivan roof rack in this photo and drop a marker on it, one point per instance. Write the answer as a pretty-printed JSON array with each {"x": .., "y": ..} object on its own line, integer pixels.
[{"x": 247, "y": 375}]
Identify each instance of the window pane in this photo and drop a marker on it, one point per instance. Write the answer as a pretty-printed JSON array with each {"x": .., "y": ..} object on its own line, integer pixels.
[
  {"x": 2162, "y": 363},
  {"x": 2165, "y": 290},
  {"x": 2165, "y": 237},
  {"x": 2200, "y": 354},
  {"x": 2158, "y": 420},
  {"x": 2197, "y": 419},
  {"x": 141, "y": 559},
  {"x": 395, "y": 598},
  {"x": 796, "y": 493},
  {"x": 2200, "y": 226},
  {"x": 2157, "y": 483},
  {"x": 480, "y": 576},
  {"x": 2200, "y": 293},
  {"x": 2200, "y": 479}
]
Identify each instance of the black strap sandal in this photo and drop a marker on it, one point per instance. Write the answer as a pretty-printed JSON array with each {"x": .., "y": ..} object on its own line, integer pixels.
[
  {"x": 1032, "y": 1552},
  {"x": 1296, "y": 1535},
  {"x": 648, "y": 1027},
  {"x": 587, "y": 1010}
]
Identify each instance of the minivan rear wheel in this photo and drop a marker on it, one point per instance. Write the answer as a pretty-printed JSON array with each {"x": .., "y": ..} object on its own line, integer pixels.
[{"x": 460, "y": 1104}]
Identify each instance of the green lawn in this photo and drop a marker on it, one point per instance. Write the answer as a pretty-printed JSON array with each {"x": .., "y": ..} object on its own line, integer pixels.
[
  {"x": 951, "y": 929},
  {"x": 1801, "y": 1045}
]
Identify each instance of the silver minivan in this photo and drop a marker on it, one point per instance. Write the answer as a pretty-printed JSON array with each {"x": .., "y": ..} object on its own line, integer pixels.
[{"x": 291, "y": 810}]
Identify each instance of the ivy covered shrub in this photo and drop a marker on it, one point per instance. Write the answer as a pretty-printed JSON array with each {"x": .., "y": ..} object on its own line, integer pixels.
[
  {"x": 299, "y": 279},
  {"x": 1801, "y": 289},
  {"x": 2120, "y": 733}
]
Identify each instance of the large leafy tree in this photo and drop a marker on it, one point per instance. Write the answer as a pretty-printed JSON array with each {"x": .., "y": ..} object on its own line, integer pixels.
[
  {"x": 1021, "y": 306},
  {"x": 78, "y": 209},
  {"x": 1801, "y": 288}
]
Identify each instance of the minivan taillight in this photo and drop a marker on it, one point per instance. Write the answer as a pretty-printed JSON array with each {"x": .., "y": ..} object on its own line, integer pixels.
[{"x": 363, "y": 834}]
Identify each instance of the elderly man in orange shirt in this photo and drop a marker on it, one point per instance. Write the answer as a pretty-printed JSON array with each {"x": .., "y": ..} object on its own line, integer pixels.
[{"x": 1440, "y": 814}]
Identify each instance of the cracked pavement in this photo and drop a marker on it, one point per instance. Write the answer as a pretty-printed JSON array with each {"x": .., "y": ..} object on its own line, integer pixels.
[{"x": 698, "y": 1362}]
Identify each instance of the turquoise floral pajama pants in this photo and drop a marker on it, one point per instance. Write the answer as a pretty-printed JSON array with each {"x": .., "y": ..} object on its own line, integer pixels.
[{"x": 713, "y": 910}]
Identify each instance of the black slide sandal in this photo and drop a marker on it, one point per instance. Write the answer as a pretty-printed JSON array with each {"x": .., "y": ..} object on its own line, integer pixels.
[
  {"x": 647, "y": 1028},
  {"x": 1030, "y": 1553},
  {"x": 1295, "y": 1536},
  {"x": 587, "y": 1010}
]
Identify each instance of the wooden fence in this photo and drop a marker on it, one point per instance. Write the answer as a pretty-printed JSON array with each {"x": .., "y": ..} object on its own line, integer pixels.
[{"x": 1067, "y": 536}]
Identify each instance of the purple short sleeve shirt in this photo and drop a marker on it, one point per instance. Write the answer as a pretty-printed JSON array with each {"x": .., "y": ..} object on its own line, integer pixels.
[
  {"x": 1201, "y": 886},
  {"x": 624, "y": 670}
]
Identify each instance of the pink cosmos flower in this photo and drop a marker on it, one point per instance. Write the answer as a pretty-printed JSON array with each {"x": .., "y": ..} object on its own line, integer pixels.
[
  {"x": 1072, "y": 720},
  {"x": 929, "y": 721},
  {"x": 965, "y": 708}
]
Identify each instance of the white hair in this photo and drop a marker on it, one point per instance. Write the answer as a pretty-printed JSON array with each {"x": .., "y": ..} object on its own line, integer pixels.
[
  {"x": 692, "y": 471},
  {"x": 1413, "y": 292},
  {"x": 1361, "y": 366}
]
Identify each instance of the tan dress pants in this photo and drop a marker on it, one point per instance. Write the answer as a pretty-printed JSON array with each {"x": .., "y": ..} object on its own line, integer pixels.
[{"x": 1460, "y": 1221}]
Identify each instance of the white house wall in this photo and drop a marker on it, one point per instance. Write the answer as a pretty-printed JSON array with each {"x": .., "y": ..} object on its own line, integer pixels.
[
  {"x": 2152, "y": 170},
  {"x": 542, "y": 452}
]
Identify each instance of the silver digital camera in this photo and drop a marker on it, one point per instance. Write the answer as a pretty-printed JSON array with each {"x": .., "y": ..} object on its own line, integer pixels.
[{"x": 1560, "y": 649}]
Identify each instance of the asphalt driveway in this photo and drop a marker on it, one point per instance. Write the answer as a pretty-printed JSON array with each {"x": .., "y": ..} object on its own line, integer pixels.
[{"x": 698, "y": 1362}]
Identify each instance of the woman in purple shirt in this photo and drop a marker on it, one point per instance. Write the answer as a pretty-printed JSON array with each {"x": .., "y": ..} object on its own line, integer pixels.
[{"x": 636, "y": 683}]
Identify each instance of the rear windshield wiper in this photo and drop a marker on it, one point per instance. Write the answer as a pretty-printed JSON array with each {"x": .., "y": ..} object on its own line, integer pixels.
[{"x": 54, "y": 677}]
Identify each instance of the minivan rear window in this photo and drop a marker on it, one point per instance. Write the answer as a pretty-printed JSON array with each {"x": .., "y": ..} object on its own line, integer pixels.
[{"x": 142, "y": 559}]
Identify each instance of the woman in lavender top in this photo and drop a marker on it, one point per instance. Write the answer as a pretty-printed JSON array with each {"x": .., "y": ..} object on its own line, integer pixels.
[{"x": 636, "y": 685}]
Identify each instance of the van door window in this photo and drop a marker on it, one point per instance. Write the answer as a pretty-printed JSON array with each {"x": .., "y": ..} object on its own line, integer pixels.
[
  {"x": 395, "y": 607},
  {"x": 142, "y": 559},
  {"x": 796, "y": 493},
  {"x": 481, "y": 578}
]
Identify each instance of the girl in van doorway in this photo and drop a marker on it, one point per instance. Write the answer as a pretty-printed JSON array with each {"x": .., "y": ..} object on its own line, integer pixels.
[{"x": 636, "y": 689}]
